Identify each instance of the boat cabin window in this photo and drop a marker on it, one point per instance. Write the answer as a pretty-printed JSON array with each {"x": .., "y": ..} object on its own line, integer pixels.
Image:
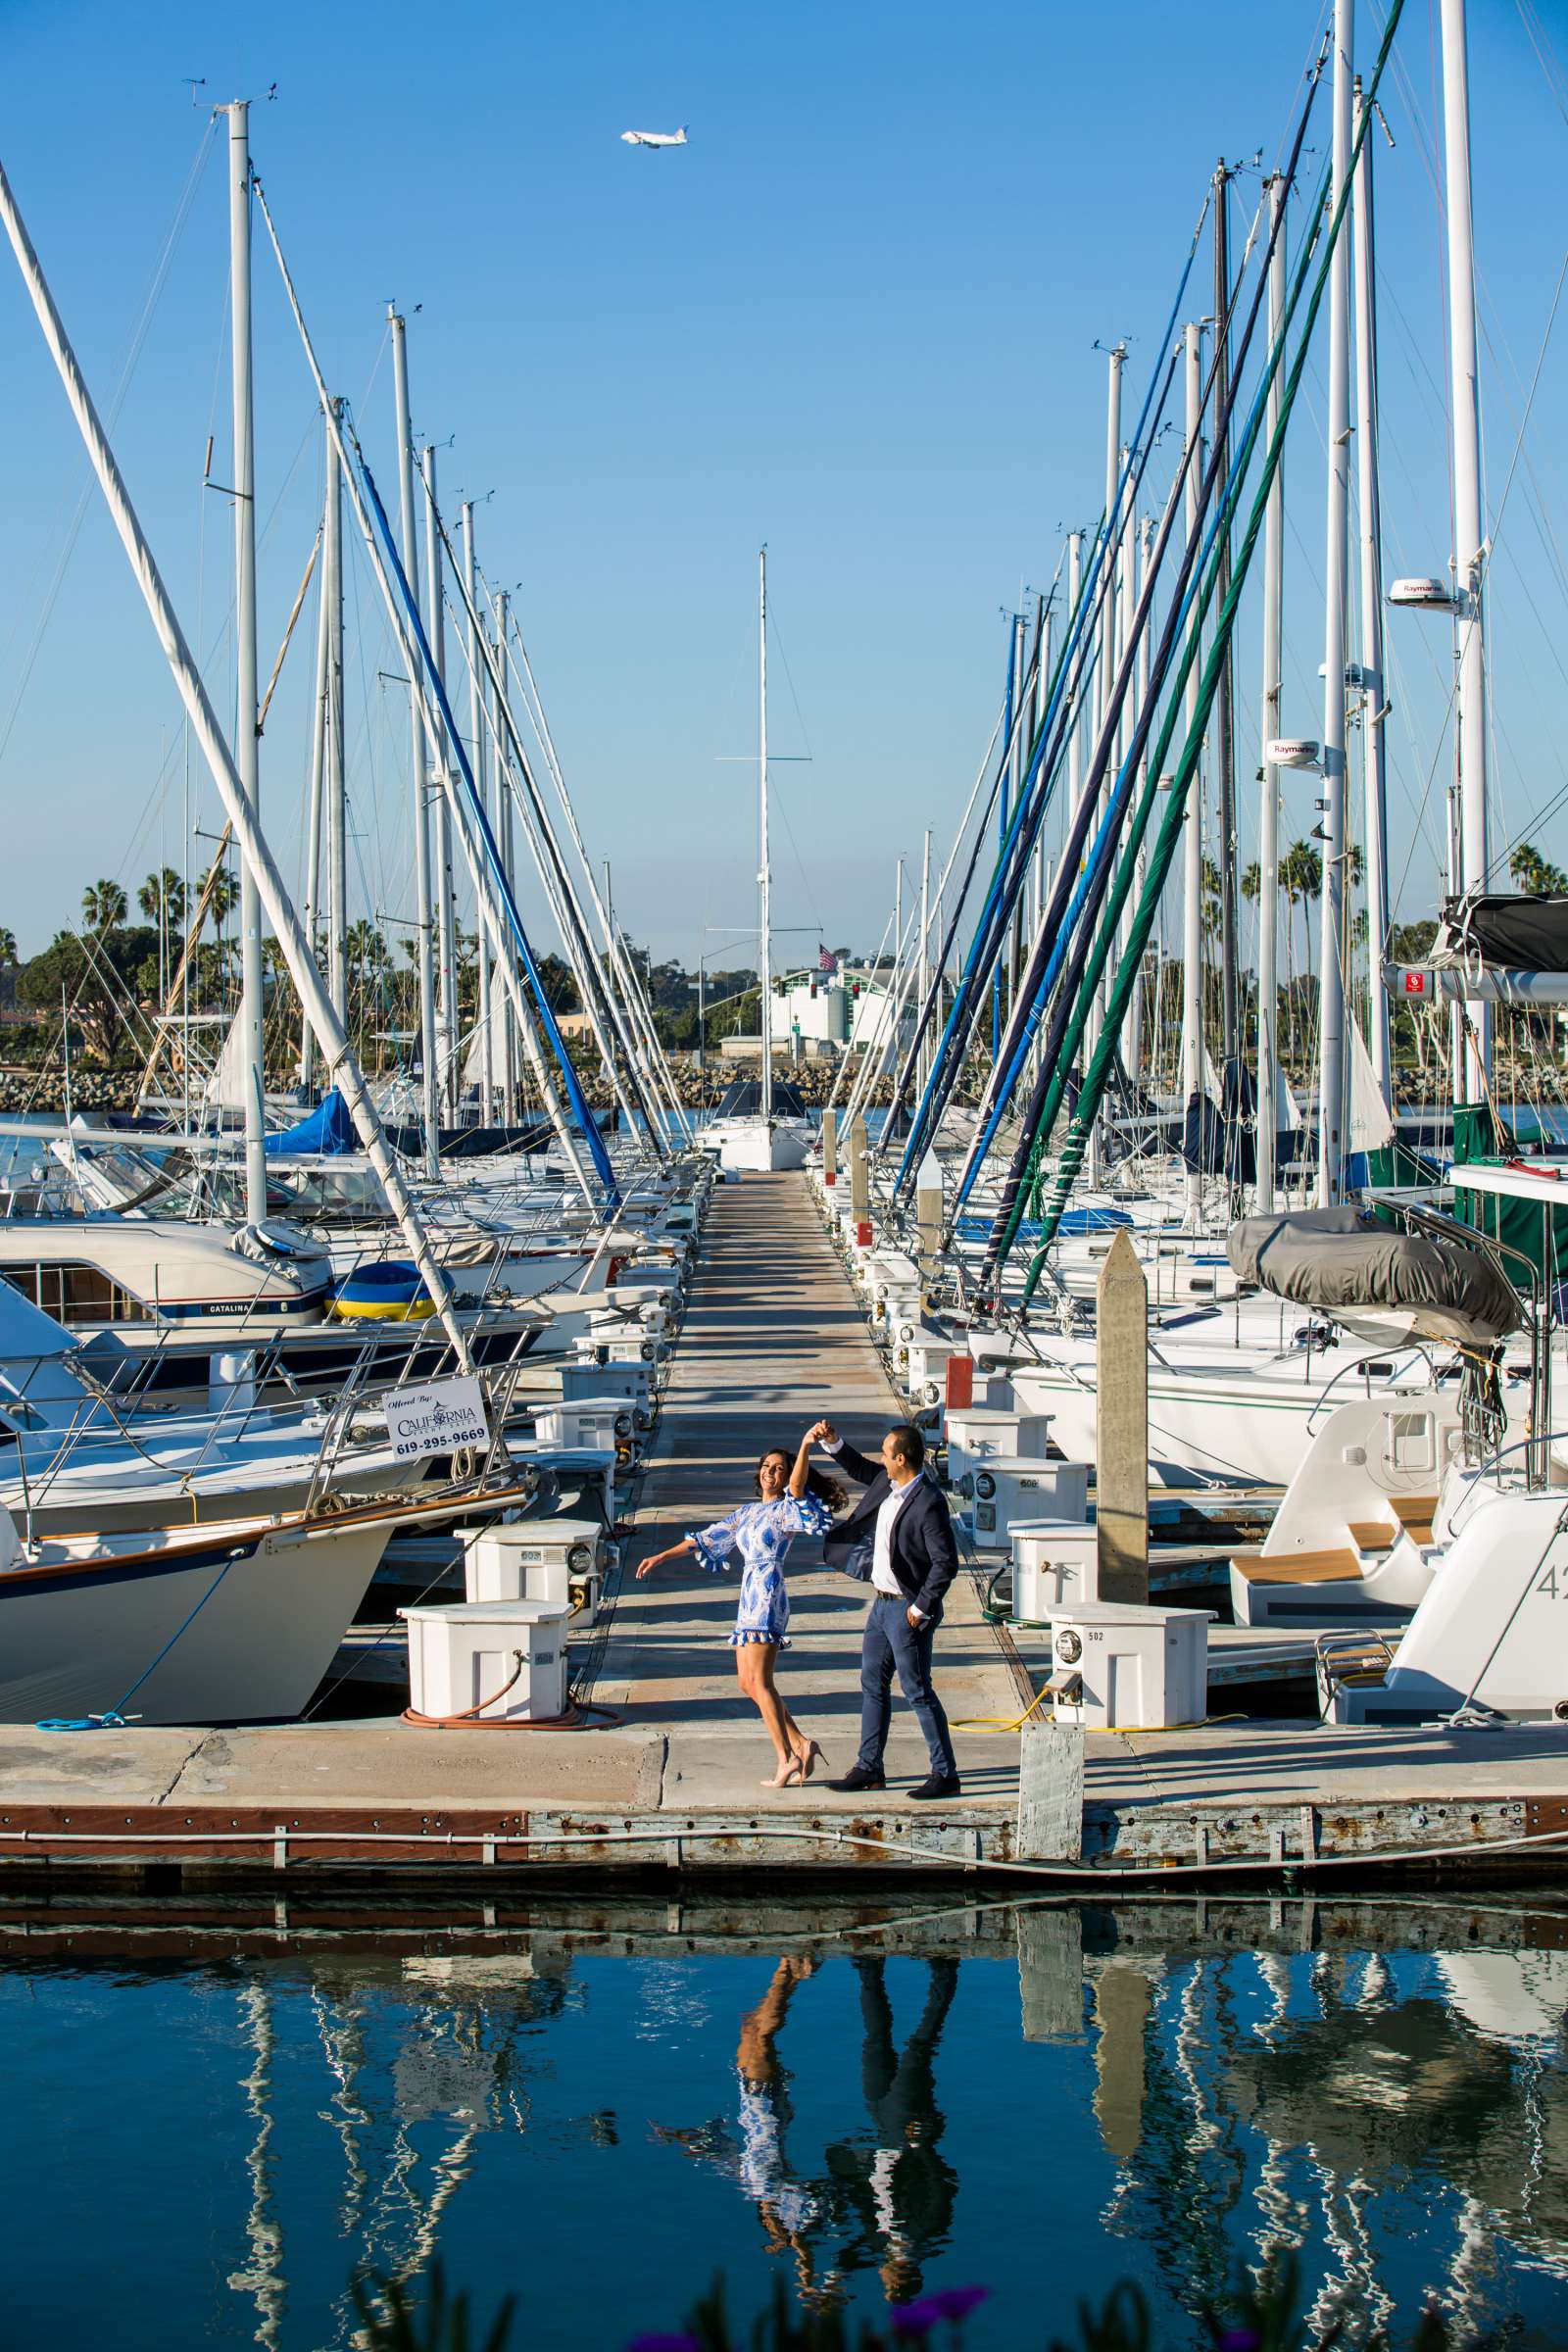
[{"x": 74, "y": 1293}]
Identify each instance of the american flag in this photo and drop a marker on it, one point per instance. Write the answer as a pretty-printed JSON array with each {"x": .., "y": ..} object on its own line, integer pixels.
[{"x": 826, "y": 961}]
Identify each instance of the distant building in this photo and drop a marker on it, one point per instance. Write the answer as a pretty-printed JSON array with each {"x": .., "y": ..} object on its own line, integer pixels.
[{"x": 850, "y": 1008}]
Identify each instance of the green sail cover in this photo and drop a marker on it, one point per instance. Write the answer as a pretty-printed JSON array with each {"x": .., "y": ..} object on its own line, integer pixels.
[{"x": 1520, "y": 1228}]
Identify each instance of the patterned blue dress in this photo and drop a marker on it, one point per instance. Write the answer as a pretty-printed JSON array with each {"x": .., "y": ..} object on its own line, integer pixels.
[{"x": 761, "y": 1533}]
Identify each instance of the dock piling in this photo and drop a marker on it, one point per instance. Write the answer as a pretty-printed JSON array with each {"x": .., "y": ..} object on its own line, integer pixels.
[
  {"x": 859, "y": 1169},
  {"x": 1051, "y": 1792},
  {"x": 1121, "y": 1476}
]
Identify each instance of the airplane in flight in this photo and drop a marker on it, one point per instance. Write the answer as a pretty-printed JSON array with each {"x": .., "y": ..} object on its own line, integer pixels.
[{"x": 655, "y": 138}]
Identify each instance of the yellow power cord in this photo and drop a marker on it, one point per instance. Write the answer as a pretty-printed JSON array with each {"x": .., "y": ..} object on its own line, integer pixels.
[{"x": 1125, "y": 1730}]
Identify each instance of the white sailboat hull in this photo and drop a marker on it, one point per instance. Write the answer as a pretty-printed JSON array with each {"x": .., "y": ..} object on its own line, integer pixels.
[
  {"x": 266, "y": 1611},
  {"x": 759, "y": 1147}
]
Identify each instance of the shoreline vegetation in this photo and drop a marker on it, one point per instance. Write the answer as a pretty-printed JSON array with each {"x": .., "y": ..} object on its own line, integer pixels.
[{"x": 112, "y": 994}]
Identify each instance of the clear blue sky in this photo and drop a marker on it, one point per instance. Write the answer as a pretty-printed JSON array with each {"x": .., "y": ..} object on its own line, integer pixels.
[{"x": 855, "y": 319}]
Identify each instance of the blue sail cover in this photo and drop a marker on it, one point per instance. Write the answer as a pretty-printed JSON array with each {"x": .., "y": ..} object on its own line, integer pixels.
[{"x": 328, "y": 1129}]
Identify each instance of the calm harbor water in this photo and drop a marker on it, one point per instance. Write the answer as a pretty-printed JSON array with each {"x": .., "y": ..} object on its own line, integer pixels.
[{"x": 201, "y": 2149}]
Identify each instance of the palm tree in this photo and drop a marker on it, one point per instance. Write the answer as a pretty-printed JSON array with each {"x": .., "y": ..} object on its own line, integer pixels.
[
  {"x": 220, "y": 889},
  {"x": 364, "y": 948},
  {"x": 105, "y": 906},
  {"x": 1252, "y": 882},
  {"x": 220, "y": 882},
  {"x": 1301, "y": 880},
  {"x": 162, "y": 899},
  {"x": 1534, "y": 873}
]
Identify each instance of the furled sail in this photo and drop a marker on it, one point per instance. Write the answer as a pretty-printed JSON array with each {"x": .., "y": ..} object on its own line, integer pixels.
[
  {"x": 1521, "y": 932},
  {"x": 1345, "y": 1264}
]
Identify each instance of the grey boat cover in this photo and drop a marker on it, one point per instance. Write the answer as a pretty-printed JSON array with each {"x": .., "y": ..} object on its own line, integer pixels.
[
  {"x": 1516, "y": 933},
  {"x": 1340, "y": 1260}
]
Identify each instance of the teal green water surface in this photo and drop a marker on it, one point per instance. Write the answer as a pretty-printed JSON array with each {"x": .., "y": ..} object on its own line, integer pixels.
[{"x": 201, "y": 2149}]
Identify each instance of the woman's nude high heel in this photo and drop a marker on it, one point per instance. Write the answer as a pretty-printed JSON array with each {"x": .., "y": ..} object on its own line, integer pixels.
[{"x": 791, "y": 1779}]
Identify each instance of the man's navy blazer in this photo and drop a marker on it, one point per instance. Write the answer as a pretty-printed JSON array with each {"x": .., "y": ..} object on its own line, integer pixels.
[{"x": 924, "y": 1556}]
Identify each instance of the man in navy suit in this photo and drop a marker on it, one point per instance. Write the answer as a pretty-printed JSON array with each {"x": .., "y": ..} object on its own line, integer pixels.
[{"x": 900, "y": 1539}]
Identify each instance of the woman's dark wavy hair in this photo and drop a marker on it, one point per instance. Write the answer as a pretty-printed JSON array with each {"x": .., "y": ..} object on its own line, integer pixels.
[{"x": 826, "y": 1490}]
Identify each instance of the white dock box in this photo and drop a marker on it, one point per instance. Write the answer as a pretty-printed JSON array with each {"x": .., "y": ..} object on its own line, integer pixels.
[
  {"x": 459, "y": 1657},
  {"x": 623, "y": 1346},
  {"x": 606, "y": 1421},
  {"x": 971, "y": 1432},
  {"x": 926, "y": 1363},
  {"x": 1055, "y": 1566},
  {"x": 534, "y": 1559},
  {"x": 1118, "y": 1666},
  {"x": 586, "y": 1379},
  {"x": 1004, "y": 1491}
]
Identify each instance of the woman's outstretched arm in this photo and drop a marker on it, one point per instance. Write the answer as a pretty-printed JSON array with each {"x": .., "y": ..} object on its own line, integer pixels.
[
  {"x": 655, "y": 1559},
  {"x": 803, "y": 1466}
]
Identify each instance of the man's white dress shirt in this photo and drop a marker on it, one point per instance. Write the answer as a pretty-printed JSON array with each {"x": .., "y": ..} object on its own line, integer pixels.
[
  {"x": 882, "y": 1575},
  {"x": 883, "y": 1578}
]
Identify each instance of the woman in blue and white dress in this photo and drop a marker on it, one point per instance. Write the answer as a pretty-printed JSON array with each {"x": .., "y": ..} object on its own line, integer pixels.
[{"x": 791, "y": 1499}]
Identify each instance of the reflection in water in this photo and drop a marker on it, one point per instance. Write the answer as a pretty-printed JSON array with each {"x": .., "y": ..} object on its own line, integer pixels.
[
  {"x": 1009, "y": 2096},
  {"x": 883, "y": 2200}
]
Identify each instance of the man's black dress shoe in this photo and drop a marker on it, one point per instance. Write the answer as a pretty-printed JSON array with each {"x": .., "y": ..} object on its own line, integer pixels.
[
  {"x": 859, "y": 1778},
  {"x": 940, "y": 1783}
]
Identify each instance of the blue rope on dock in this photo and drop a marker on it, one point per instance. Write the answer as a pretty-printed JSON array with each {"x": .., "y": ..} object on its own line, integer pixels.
[{"x": 114, "y": 1719}]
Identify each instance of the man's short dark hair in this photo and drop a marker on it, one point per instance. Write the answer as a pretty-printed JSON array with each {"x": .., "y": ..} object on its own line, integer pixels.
[{"x": 907, "y": 1444}]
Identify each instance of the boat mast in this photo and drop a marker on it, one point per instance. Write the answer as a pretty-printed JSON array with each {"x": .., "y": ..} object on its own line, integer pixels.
[
  {"x": 447, "y": 1020},
  {"x": 1268, "y": 820},
  {"x": 1138, "y": 584},
  {"x": 1224, "y": 721},
  {"x": 1472, "y": 1042},
  {"x": 1192, "y": 824},
  {"x": 509, "y": 854},
  {"x": 1075, "y": 731},
  {"x": 336, "y": 776},
  {"x": 926, "y": 1041},
  {"x": 424, "y": 952},
  {"x": 313, "y": 836},
  {"x": 342, "y": 1068},
  {"x": 764, "y": 878},
  {"x": 1105, "y": 663},
  {"x": 1374, "y": 703},
  {"x": 1331, "y": 950},
  {"x": 247, "y": 739},
  {"x": 481, "y": 774}
]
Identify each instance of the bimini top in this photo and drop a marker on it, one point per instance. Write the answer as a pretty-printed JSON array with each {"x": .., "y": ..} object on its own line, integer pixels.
[
  {"x": 1516, "y": 933},
  {"x": 743, "y": 1100},
  {"x": 1345, "y": 1264}
]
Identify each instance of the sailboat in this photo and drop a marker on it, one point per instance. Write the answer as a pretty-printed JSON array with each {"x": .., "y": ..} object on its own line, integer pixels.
[{"x": 760, "y": 1127}]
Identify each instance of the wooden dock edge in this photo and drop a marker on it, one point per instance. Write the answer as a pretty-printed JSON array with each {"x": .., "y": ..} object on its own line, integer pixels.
[{"x": 1122, "y": 1844}]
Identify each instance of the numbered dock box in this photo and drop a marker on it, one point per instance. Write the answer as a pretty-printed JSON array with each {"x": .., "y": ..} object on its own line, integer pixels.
[
  {"x": 894, "y": 1283},
  {"x": 492, "y": 1661},
  {"x": 1118, "y": 1666},
  {"x": 552, "y": 1560},
  {"x": 653, "y": 1281},
  {"x": 1055, "y": 1566},
  {"x": 598, "y": 1421},
  {"x": 1005, "y": 1488},
  {"x": 581, "y": 1377},
  {"x": 615, "y": 1344}
]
